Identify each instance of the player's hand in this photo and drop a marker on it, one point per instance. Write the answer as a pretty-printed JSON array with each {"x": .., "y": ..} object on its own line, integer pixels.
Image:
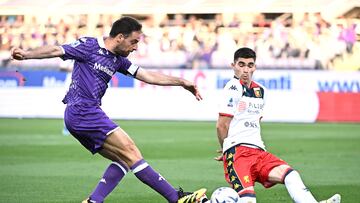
[
  {"x": 220, "y": 157},
  {"x": 17, "y": 53},
  {"x": 193, "y": 89}
]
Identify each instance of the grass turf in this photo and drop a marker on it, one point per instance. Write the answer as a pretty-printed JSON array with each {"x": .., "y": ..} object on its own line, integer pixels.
[{"x": 39, "y": 164}]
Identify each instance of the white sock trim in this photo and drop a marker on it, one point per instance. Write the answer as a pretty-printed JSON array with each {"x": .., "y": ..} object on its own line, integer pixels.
[
  {"x": 140, "y": 167},
  {"x": 120, "y": 166}
]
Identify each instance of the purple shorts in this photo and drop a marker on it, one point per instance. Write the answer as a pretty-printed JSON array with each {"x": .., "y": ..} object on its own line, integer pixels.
[{"x": 89, "y": 125}]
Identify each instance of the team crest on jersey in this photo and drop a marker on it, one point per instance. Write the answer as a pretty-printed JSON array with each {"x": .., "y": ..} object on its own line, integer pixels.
[{"x": 257, "y": 92}]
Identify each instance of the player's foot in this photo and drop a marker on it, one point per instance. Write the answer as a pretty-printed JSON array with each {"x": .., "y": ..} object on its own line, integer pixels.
[
  {"x": 334, "y": 199},
  {"x": 190, "y": 197},
  {"x": 85, "y": 200},
  {"x": 203, "y": 199},
  {"x": 88, "y": 200}
]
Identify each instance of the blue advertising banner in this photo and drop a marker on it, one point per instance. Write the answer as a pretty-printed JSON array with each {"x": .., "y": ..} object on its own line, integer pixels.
[{"x": 44, "y": 78}]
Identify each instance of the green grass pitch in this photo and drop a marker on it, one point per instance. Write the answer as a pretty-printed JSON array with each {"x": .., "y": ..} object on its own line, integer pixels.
[{"x": 39, "y": 164}]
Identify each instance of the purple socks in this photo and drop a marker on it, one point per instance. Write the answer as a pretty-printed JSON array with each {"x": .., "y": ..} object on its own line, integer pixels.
[
  {"x": 147, "y": 175},
  {"x": 112, "y": 176},
  {"x": 141, "y": 169}
]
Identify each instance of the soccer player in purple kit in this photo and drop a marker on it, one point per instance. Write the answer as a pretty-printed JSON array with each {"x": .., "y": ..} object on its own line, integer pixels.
[{"x": 96, "y": 61}]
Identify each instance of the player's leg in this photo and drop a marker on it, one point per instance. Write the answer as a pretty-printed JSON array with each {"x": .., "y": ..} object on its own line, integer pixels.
[
  {"x": 293, "y": 182},
  {"x": 119, "y": 143},
  {"x": 295, "y": 186},
  {"x": 274, "y": 170},
  {"x": 97, "y": 133},
  {"x": 238, "y": 170},
  {"x": 91, "y": 131},
  {"x": 111, "y": 177}
]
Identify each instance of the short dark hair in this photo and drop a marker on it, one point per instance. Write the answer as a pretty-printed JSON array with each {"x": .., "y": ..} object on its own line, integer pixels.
[
  {"x": 244, "y": 53},
  {"x": 125, "y": 25}
]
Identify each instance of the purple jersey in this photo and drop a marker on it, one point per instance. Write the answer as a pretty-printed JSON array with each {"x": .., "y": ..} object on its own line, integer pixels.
[{"x": 93, "y": 69}]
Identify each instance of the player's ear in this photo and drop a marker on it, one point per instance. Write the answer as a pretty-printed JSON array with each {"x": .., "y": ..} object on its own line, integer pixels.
[{"x": 120, "y": 37}]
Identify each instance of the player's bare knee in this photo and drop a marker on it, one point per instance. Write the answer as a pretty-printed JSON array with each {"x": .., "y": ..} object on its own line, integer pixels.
[
  {"x": 130, "y": 153},
  {"x": 132, "y": 149},
  {"x": 278, "y": 173}
]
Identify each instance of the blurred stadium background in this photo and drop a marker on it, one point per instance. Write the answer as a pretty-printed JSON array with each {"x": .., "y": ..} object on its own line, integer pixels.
[{"x": 308, "y": 58}]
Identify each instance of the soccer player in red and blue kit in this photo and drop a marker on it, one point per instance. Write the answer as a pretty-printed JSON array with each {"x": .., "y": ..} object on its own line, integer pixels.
[{"x": 96, "y": 61}]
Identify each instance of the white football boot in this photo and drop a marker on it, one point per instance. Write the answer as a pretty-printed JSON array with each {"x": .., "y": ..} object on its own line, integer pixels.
[{"x": 334, "y": 199}]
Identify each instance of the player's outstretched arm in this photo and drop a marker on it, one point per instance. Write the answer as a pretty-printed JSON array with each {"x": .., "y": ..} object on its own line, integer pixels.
[
  {"x": 156, "y": 78},
  {"x": 49, "y": 51}
]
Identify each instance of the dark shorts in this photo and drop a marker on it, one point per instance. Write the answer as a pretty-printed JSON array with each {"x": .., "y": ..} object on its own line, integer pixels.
[{"x": 89, "y": 125}]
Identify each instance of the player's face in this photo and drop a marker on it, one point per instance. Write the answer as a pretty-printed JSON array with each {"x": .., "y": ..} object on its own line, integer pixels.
[
  {"x": 127, "y": 44},
  {"x": 244, "y": 69}
]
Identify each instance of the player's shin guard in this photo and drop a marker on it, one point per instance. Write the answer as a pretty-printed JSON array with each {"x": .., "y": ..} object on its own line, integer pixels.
[
  {"x": 147, "y": 175},
  {"x": 112, "y": 176},
  {"x": 296, "y": 188}
]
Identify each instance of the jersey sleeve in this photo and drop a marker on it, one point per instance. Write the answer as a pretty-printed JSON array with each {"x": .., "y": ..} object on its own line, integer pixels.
[
  {"x": 229, "y": 100},
  {"x": 127, "y": 68},
  {"x": 78, "y": 50}
]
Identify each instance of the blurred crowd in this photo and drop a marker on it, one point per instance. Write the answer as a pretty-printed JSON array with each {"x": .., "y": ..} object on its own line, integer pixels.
[{"x": 195, "y": 41}]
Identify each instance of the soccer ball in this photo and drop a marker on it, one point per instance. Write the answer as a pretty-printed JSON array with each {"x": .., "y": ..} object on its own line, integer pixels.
[{"x": 224, "y": 195}]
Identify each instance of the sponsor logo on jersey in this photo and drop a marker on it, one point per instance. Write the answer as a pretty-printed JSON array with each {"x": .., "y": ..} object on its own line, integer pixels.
[
  {"x": 250, "y": 124},
  {"x": 256, "y": 105},
  {"x": 105, "y": 69}
]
